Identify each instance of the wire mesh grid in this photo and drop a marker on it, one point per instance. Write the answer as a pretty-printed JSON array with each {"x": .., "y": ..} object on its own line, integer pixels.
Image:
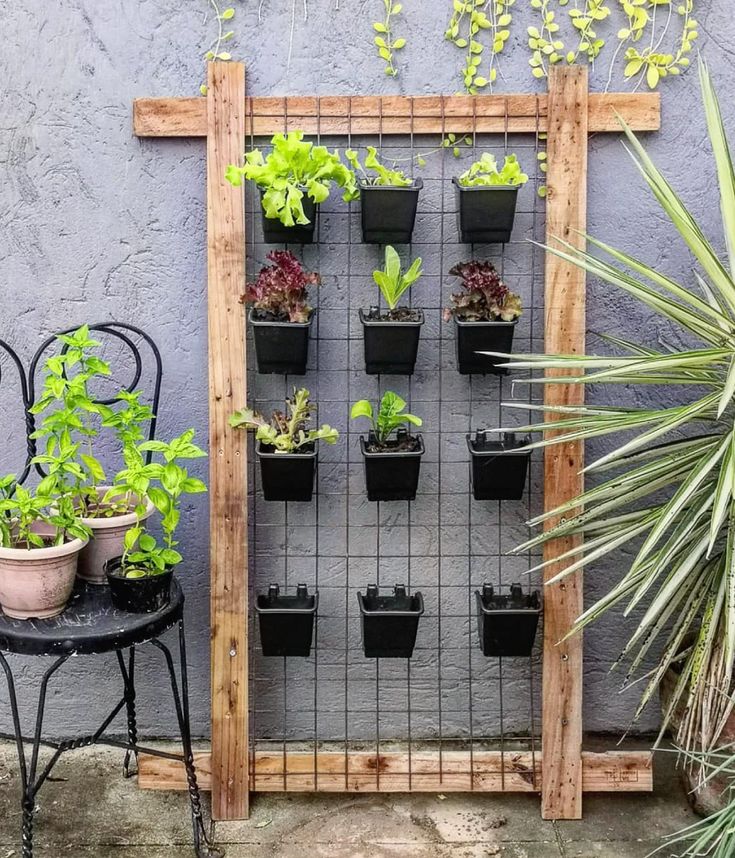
[{"x": 449, "y": 717}]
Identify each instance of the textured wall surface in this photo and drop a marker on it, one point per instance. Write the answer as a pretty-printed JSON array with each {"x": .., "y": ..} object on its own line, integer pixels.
[{"x": 98, "y": 225}]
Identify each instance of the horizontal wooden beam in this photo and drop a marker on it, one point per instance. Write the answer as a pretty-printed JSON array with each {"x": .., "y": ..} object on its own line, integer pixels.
[
  {"x": 393, "y": 114},
  {"x": 424, "y": 771}
]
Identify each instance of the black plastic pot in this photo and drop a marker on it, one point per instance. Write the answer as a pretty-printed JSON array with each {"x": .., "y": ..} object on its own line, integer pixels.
[
  {"x": 281, "y": 347},
  {"x": 507, "y": 623},
  {"x": 485, "y": 214},
  {"x": 138, "y": 595},
  {"x": 471, "y": 338},
  {"x": 287, "y": 476},
  {"x": 389, "y": 623},
  {"x": 389, "y": 212},
  {"x": 392, "y": 474},
  {"x": 286, "y": 622},
  {"x": 499, "y": 468},
  {"x": 390, "y": 347},
  {"x": 275, "y": 232}
]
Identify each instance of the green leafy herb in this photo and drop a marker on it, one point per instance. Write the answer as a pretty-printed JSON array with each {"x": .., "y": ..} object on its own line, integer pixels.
[
  {"x": 485, "y": 172},
  {"x": 392, "y": 281},
  {"x": 385, "y": 176},
  {"x": 390, "y": 417}
]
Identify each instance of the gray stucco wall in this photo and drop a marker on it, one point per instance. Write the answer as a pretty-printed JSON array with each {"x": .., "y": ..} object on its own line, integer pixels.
[{"x": 98, "y": 225}]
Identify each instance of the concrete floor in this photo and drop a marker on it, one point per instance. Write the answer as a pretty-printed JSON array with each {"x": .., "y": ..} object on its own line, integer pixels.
[{"x": 89, "y": 811}]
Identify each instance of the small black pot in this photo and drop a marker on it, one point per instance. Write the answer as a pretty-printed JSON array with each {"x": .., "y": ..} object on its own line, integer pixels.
[
  {"x": 392, "y": 475},
  {"x": 507, "y": 624},
  {"x": 474, "y": 337},
  {"x": 275, "y": 232},
  {"x": 287, "y": 476},
  {"x": 281, "y": 347},
  {"x": 389, "y": 212},
  {"x": 499, "y": 468},
  {"x": 286, "y": 622},
  {"x": 138, "y": 595},
  {"x": 389, "y": 623},
  {"x": 485, "y": 214},
  {"x": 390, "y": 347}
]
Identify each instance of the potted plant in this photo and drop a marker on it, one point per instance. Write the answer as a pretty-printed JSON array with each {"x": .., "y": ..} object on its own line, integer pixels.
[
  {"x": 389, "y": 199},
  {"x": 391, "y": 339},
  {"x": 507, "y": 623},
  {"x": 293, "y": 179},
  {"x": 280, "y": 315},
  {"x": 486, "y": 199},
  {"x": 286, "y": 622},
  {"x": 389, "y": 623},
  {"x": 140, "y": 579},
  {"x": 286, "y": 447},
  {"x": 499, "y": 468},
  {"x": 485, "y": 314},
  {"x": 391, "y": 463}
]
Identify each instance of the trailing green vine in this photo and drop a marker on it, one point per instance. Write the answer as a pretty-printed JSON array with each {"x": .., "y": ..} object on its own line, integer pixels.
[
  {"x": 215, "y": 52},
  {"x": 384, "y": 41},
  {"x": 585, "y": 20},
  {"x": 546, "y": 46},
  {"x": 469, "y": 19}
]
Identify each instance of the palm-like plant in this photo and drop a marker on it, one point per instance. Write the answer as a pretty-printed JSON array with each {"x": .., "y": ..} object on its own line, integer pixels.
[{"x": 669, "y": 487}]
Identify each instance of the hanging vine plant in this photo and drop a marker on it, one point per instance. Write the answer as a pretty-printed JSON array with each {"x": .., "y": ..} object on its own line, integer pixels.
[
  {"x": 469, "y": 19},
  {"x": 384, "y": 40},
  {"x": 214, "y": 51}
]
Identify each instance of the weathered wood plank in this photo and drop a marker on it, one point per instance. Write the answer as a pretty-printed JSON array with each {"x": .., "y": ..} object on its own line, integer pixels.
[
  {"x": 227, "y": 447},
  {"x": 564, "y": 311},
  {"x": 187, "y": 117}
]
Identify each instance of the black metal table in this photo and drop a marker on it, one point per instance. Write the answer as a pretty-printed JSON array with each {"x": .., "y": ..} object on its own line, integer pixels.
[{"x": 90, "y": 625}]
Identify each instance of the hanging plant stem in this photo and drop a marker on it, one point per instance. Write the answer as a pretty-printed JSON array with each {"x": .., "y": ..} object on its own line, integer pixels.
[
  {"x": 384, "y": 41},
  {"x": 215, "y": 52}
]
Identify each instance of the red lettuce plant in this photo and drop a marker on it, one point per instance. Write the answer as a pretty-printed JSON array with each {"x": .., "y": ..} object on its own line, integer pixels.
[
  {"x": 484, "y": 296},
  {"x": 280, "y": 291}
]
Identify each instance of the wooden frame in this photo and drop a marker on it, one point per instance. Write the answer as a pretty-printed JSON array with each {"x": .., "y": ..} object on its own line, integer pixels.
[{"x": 568, "y": 114}]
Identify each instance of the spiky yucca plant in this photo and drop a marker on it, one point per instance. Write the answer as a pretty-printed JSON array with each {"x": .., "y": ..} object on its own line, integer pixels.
[{"x": 670, "y": 484}]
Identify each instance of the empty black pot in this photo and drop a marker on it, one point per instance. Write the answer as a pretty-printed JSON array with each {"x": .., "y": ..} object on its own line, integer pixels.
[
  {"x": 287, "y": 476},
  {"x": 471, "y": 338},
  {"x": 507, "y": 623},
  {"x": 389, "y": 212},
  {"x": 275, "y": 232},
  {"x": 499, "y": 468},
  {"x": 286, "y": 622},
  {"x": 281, "y": 347},
  {"x": 389, "y": 623},
  {"x": 392, "y": 474},
  {"x": 485, "y": 213},
  {"x": 138, "y": 595},
  {"x": 390, "y": 347}
]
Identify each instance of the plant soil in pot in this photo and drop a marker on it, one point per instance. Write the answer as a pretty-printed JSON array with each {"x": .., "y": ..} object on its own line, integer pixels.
[
  {"x": 286, "y": 622},
  {"x": 138, "y": 592},
  {"x": 507, "y": 623},
  {"x": 498, "y": 468},
  {"x": 391, "y": 340},
  {"x": 389, "y": 212},
  {"x": 281, "y": 348},
  {"x": 37, "y": 583},
  {"x": 108, "y": 532},
  {"x": 389, "y": 623},
  {"x": 275, "y": 232}
]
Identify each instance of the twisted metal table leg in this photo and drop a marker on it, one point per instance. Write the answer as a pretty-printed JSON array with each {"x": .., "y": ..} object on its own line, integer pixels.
[{"x": 128, "y": 676}]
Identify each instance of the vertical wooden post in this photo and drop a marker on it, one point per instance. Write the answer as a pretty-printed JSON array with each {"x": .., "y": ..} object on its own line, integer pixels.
[
  {"x": 564, "y": 314},
  {"x": 227, "y": 447}
]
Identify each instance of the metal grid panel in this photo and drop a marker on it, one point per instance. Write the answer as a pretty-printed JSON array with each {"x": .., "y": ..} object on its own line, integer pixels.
[{"x": 449, "y": 696}]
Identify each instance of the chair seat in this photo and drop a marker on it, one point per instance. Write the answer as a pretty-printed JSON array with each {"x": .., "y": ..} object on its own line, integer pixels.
[{"x": 89, "y": 625}]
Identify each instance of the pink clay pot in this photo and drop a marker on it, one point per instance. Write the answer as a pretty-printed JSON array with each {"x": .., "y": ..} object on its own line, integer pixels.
[
  {"x": 107, "y": 540},
  {"x": 36, "y": 583}
]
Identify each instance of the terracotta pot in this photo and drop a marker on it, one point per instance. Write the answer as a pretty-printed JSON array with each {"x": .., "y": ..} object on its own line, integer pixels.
[
  {"x": 107, "y": 541},
  {"x": 37, "y": 582}
]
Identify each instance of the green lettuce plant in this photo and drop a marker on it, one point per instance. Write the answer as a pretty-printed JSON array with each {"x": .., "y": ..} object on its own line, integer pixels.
[
  {"x": 294, "y": 168},
  {"x": 286, "y": 432},
  {"x": 390, "y": 417},
  {"x": 485, "y": 172},
  {"x": 392, "y": 281},
  {"x": 384, "y": 176}
]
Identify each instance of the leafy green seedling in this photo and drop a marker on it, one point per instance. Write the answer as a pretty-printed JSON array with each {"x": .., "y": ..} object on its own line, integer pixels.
[
  {"x": 385, "y": 176},
  {"x": 286, "y": 433},
  {"x": 390, "y": 416},
  {"x": 392, "y": 281},
  {"x": 485, "y": 172}
]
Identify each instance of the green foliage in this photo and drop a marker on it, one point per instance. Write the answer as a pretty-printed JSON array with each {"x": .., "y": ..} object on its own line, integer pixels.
[
  {"x": 384, "y": 41},
  {"x": 390, "y": 417},
  {"x": 214, "y": 51},
  {"x": 287, "y": 432},
  {"x": 393, "y": 282},
  {"x": 293, "y": 168},
  {"x": 485, "y": 172},
  {"x": 544, "y": 41},
  {"x": 385, "y": 176},
  {"x": 470, "y": 19}
]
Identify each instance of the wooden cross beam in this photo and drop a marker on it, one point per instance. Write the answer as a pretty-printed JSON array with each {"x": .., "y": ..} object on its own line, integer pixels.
[{"x": 568, "y": 114}]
